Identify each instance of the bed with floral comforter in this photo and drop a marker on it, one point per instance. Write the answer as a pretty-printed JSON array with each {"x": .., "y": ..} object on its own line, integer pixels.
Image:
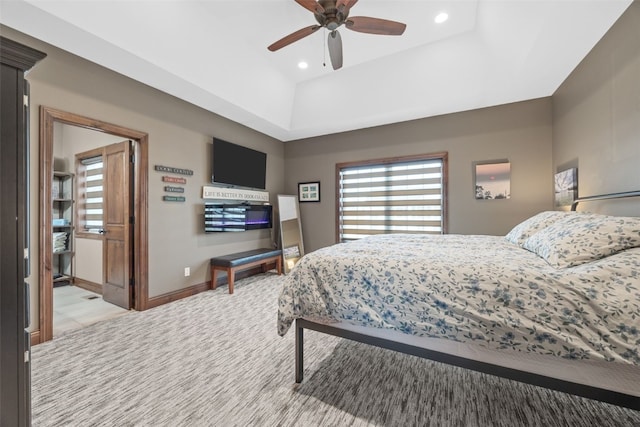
[{"x": 561, "y": 283}]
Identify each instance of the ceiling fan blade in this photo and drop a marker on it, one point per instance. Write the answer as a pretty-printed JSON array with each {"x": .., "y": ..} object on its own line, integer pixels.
[
  {"x": 311, "y": 5},
  {"x": 334, "y": 44},
  {"x": 293, "y": 37},
  {"x": 343, "y": 5},
  {"x": 364, "y": 24}
]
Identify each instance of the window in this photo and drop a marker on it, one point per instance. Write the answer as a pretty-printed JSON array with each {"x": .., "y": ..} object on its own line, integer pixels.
[
  {"x": 399, "y": 195},
  {"x": 90, "y": 201}
]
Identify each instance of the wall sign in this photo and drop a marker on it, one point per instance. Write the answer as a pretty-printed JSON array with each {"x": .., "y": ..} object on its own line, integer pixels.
[
  {"x": 175, "y": 180},
  {"x": 170, "y": 189},
  {"x": 221, "y": 193},
  {"x": 170, "y": 169}
]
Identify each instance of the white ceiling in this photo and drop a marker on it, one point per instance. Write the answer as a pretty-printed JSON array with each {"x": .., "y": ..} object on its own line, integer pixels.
[{"x": 214, "y": 54}]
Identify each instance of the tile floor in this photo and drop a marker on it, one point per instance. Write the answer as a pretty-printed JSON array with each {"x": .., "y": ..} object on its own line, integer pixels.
[{"x": 75, "y": 308}]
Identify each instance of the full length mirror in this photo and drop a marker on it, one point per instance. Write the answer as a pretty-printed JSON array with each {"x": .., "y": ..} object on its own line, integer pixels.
[{"x": 290, "y": 231}]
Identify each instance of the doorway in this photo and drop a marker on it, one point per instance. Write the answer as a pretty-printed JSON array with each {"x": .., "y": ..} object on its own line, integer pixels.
[{"x": 135, "y": 242}]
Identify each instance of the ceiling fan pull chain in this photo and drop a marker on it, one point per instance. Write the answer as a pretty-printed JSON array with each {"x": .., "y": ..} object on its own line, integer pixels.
[{"x": 324, "y": 52}]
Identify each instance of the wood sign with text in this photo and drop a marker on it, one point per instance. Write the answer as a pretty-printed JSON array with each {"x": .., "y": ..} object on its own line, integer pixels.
[
  {"x": 170, "y": 169},
  {"x": 174, "y": 179},
  {"x": 170, "y": 189},
  {"x": 222, "y": 193},
  {"x": 173, "y": 198}
]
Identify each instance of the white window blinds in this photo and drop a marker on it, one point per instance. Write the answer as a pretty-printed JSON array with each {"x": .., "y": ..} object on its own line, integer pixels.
[
  {"x": 91, "y": 201},
  {"x": 394, "y": 197}
]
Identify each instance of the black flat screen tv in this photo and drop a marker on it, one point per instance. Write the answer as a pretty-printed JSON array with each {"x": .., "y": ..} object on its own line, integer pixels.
[{"x": 237, "y": 165}]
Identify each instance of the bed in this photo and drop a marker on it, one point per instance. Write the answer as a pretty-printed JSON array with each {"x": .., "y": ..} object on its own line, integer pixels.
[{"x": 554, "y": 303}]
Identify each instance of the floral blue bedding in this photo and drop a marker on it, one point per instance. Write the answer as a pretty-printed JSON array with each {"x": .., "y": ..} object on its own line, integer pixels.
[{"x": 484, "y": 290}]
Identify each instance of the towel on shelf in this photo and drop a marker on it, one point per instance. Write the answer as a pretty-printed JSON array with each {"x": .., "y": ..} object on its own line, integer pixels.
[{"x": 59, "y": 241}]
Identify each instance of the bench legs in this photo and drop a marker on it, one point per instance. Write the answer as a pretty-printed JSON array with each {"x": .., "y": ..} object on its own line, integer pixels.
[
  {"x": 230, "y": 276},
  {"x": 214, "y": 278},
  {"x": 231, "y": 271},
  {"x": 278, "y": 266}
]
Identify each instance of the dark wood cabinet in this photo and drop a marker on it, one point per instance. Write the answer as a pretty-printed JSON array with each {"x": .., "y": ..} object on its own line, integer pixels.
[{"x": 16, "y": 59}]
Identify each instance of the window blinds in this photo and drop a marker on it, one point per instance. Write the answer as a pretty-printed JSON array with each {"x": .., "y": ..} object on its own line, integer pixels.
[
  {"x": 91, "y": 199},
  {"x": 402, "y": 197}
]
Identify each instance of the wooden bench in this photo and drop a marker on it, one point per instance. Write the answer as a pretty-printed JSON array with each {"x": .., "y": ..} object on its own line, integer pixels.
[{"x": 242, "y": 261}]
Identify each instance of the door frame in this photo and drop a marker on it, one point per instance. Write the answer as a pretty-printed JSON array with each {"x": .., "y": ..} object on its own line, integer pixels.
[{"x": 48, "y": 117}]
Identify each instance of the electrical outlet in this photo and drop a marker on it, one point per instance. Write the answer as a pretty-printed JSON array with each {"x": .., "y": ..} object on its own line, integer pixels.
[{"x": 187, "y": 272}]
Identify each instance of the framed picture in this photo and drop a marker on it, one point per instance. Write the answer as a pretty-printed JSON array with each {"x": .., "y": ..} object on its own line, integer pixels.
[
  {"x": 493, "y": 180},
  {"x": 309, "y": 192},
  {"x": 566, "y": 187}
]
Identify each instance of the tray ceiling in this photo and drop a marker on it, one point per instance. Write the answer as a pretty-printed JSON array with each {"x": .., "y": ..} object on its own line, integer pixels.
[{"x": 214, "y": 54}]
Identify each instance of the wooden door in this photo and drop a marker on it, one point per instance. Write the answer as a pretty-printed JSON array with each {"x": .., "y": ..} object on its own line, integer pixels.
[{"x": 116, "y": 253}]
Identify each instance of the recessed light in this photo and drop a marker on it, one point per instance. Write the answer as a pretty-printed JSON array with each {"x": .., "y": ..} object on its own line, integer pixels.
[
  {"x": 441, "y": 17},
  {"x": 303, "y": 65}
]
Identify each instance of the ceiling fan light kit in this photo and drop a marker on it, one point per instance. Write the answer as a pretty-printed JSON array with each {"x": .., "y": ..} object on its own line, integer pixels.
[{"x": 332, "y": 14}]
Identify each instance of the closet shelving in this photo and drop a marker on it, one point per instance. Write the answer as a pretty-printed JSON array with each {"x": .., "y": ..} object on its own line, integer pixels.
[{"x": 63, "y": 227}]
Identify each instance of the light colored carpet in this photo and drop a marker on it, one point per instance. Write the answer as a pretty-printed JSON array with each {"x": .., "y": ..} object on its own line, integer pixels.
[{"x": 215, "y": 359}]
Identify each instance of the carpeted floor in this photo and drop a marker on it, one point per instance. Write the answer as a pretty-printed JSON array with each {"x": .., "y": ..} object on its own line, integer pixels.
[{"x": 215, "y": 359}]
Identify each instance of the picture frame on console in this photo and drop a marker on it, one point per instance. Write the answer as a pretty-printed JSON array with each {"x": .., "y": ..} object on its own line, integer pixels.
[{"x": 309, "y": 191}]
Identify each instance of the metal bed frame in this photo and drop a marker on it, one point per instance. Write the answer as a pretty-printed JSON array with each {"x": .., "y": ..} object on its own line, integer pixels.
[
  {"x": 622, "y": 195},
  {"x": 567, "y": 386}
]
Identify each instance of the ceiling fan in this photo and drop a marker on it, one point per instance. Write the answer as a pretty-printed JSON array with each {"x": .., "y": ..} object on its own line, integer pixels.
[{"x": 331, "y": 14}]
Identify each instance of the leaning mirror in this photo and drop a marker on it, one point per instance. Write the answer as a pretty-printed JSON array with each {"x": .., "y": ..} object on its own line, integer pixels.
[{"x": 290, "y": 231}]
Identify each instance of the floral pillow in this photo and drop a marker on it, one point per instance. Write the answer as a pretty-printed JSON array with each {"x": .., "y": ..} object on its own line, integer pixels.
[
  {"x": 527, "y": 228},
  {"x": 578, "y": 239}
]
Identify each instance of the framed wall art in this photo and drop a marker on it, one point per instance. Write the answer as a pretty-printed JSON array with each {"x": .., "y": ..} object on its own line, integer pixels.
[
  {"x": 492, "y": 180},
  {"x": 566, "y": 187},
  {"x": 309, "y": 191}
]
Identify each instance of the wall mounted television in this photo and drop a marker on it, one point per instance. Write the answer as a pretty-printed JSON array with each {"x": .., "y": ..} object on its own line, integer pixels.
[
  {"x": 239, "y": 166},
  {"x": 234, "y": 217}
]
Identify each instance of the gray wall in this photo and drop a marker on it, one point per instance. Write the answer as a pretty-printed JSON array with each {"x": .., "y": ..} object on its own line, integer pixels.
[
  {"x": 179, "y": 135},
  {"x": 520, "y": 132},
  {"x": 596, "y": 113}
]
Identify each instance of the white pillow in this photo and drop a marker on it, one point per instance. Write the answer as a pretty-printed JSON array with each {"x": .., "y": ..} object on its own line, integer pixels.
[
  {"x": 527, "y": 228},
  {"x": 578, "y": 239}
]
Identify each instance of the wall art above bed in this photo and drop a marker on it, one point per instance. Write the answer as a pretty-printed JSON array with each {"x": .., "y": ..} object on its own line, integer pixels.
[{"x": 566, "y": 187}]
